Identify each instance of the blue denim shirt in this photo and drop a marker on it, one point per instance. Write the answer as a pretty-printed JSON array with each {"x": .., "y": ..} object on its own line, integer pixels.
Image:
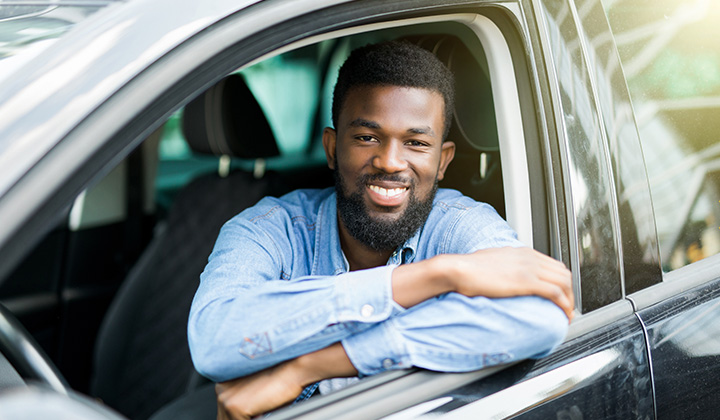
[{"x": 277, "y": 286}]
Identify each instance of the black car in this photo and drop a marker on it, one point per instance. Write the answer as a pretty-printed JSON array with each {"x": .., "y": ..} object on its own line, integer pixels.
[{"x": 130, "y": 131}]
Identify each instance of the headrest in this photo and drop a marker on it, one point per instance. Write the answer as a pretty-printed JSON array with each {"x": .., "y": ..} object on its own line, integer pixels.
[
  {"x": 227, "y": 120},
  {"x": 474, "y": 117}
]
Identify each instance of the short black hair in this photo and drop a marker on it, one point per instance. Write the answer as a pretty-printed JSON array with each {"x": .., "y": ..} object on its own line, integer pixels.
[{"x": 395, "y": 63}]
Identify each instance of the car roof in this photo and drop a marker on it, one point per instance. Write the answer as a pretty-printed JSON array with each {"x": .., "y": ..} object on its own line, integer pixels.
[{"x": 51, "y": 92}]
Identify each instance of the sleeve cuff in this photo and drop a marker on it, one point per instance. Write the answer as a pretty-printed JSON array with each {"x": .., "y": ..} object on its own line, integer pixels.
[
  {"x": 365, "y": 296},
  {"x": 377, "y": 349}
]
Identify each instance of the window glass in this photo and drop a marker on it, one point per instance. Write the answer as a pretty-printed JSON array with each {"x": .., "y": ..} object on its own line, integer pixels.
[
  {"x": 671, "y": 58},
  {"x": 592, "y": 199}
]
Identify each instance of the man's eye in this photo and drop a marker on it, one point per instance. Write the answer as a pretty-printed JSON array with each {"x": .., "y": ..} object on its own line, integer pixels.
[
  {"x": 365, "y": 138},
  {"x": 416, "y": 143}
]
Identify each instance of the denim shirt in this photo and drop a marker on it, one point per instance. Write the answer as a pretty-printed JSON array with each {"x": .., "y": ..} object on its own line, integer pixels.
[{"x": 277, "y": 286}]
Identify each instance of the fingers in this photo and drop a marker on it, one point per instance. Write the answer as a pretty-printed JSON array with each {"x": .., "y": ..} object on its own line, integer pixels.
[
  {"x": 557, "y": 281},
  {"x": 550, "y": 278},
  {"x": 225, "y": 402},
  {"x": 221, "y": 413},
  {"x": 558, "y": 297}
]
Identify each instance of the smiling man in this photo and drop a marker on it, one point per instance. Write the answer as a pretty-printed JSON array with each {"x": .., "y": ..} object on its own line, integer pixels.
[{"x": 384, "y": 272}]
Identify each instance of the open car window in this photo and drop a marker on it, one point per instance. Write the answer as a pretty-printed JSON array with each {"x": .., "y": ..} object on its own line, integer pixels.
[{"x": 495, "y": 123}]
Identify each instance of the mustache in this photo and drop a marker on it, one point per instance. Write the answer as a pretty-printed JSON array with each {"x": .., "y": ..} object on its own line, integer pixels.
[{"x": 367, "y": 178}]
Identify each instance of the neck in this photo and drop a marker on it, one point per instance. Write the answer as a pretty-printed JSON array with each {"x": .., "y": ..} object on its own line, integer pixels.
[{"x": 359, "y": 255}]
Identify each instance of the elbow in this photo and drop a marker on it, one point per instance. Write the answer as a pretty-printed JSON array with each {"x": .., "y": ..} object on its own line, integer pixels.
[
  {"x": 206, "y": 367},
  {"x": 203, "y": 357},
  {"x": 215, "y": 354},
  {"x": 206, "y": 351},
  {"x": 215, "y": 361}
]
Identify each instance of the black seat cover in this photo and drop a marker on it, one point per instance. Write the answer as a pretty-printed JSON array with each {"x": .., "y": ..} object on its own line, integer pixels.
[{"x": 142, "y": 359}]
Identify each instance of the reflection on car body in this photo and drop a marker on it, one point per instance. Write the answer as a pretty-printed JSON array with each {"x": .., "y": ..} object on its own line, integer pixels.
[{"x": 590, "y": 125}]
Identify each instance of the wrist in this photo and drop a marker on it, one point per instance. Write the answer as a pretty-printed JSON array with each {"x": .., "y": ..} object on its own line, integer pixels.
[
  {"x": 442, "y": 270},
  {"x": 301, "y": 370},
  {"x": 330, "y": 362},
  {"x": 417, "y": 282}
]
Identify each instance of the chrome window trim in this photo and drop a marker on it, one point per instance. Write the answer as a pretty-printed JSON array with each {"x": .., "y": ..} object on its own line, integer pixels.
[
  {"x": 558, "y": 123},
  {"x": 381, "y": 395}
]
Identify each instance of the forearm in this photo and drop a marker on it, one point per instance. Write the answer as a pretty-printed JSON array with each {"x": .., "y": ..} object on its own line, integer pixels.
[
  {"x": 330, "y": 362},
  {"x": 417, "y": 282}
]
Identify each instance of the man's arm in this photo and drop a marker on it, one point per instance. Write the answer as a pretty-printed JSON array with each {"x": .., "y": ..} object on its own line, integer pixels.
[
  {"x": 492, "y": 273},
  {"x": 505, "y": 272}
]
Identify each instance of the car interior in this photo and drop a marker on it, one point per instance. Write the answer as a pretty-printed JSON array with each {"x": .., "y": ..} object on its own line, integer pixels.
[{"x": 106, "y": 293}]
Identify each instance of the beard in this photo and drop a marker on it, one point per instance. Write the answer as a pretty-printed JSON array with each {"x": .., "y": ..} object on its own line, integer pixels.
[{"x": 377, "y": 233}]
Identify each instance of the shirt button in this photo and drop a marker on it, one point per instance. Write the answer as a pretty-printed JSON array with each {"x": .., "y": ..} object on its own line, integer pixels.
[
  {"x": 367, "y": 310},
  {"x": 387, "y": 363}
]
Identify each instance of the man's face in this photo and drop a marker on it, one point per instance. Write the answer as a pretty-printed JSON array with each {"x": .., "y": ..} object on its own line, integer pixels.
[{"x": 388, "y": 156}]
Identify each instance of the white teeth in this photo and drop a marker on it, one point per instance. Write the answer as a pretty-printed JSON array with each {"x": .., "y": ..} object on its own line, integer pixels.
[{"x": 387, "y": 192}]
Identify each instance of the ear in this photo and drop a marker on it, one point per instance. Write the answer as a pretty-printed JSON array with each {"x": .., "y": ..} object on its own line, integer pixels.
[
  {"x": 447, "y": 153},
  {"x": 329, "y": 139}
]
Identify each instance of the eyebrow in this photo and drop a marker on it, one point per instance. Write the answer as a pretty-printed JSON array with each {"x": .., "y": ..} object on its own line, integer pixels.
[
  {"x": 361, "y": 122},
  {"x": 422, "y": 130}
]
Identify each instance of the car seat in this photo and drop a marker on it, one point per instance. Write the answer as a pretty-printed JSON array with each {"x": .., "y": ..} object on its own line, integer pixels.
[{"x": 142, "y": 360}]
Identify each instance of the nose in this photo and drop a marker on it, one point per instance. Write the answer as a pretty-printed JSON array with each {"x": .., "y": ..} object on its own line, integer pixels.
[{"x": 390, "y": 157}]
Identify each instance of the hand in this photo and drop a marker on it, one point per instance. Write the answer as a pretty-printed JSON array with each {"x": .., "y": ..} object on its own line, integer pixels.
[
  {"x": 508, "y": 272},
  {"x": 244, "y": 398}
]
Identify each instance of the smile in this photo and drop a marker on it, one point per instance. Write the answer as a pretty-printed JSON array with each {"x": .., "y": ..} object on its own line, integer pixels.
[{"x": 392, "y": 192}]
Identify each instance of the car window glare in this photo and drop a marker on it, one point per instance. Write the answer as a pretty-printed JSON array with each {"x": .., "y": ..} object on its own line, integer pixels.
[
  {"x": 671, "y": 58},
  {"x": 26, "y": 31}
]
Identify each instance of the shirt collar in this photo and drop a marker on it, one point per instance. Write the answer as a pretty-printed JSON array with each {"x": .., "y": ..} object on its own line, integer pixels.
[{"x": 329, "y": 258}]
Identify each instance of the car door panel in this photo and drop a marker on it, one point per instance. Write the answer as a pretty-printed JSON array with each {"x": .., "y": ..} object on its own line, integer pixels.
[
  {"x": 684, "y": 339},
  {"x": 600, "y": 375}
]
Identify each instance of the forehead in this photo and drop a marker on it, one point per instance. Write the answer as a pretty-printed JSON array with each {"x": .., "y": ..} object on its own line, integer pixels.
[{"x": 393, "y": 105}]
